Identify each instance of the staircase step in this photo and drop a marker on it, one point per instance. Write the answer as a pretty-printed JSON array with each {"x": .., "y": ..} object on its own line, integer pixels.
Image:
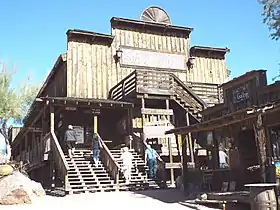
[
  {"x": 84, "y": 181},
  {"x": 83, "y": 176},
  {"x": 88, "y": 186}
]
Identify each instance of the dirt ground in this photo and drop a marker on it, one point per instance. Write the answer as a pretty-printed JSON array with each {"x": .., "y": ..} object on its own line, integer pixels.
[{"x": 154, "y": 199}]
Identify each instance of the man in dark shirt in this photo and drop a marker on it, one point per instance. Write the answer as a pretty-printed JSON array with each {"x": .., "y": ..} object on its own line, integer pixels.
[{"x": 70, "y": 139}]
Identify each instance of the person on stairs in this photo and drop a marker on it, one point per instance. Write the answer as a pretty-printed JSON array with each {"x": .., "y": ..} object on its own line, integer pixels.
[
  {"x": 96, "y": 145},
  {"x": 70, "y": 139},
  {"x": 151, "y": 159},
  {"x": 127, "y": 158}
]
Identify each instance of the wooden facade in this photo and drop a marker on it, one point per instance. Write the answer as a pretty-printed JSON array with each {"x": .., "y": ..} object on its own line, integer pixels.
[
  {"x": 246, "y": 126},
  {"x": 100, "y": 69},
  {"x": 146, "y": 64},
  {"x": 242, "y": 92},
  {"x": 210, "y": 65}
]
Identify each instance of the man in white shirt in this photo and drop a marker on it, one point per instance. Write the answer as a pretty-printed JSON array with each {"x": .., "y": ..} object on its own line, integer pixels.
[
  {"x": 127, "y": 158},
  {"x": 223, "y": 157}
]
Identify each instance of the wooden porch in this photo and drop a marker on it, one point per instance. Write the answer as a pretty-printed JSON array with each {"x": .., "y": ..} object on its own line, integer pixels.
[
  {"x": 40, "y": 141},
  {"x": 245, "y": 135}
]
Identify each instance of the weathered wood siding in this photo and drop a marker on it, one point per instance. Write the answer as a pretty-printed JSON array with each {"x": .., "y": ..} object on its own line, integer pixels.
[
  {"x": 13, "y": 132},
  {"x": 90, "y": 70},
  {"x": 168, "y": 43},
  {"x": 56, "y": 86},
  {"x": 209, "y": 70},
  {"x": 270, "y": 93},
  {"x": 208, "y": 92}
]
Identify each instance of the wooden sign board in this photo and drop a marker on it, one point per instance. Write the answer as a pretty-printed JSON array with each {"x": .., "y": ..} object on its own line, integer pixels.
[
  {"x": 80, "y": 134},
  {"x": 71, "y": 108},
  {"x": 93, "y": 111},
  {"x": 145, "y": 58},
  {"x": 157, "y": 111},
  {"x": 241, "y": 93},
  {"x": 157, "y": 131}
]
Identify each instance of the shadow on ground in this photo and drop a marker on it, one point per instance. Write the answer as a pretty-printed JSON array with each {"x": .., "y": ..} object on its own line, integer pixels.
[
  {"x": 55, "y": 192},
  {"x": 166, "y": 195}
]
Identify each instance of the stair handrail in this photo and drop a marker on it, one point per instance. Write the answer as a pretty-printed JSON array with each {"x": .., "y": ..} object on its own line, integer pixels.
[
  {"x": 187, "y": 89},
  {"x": 109, "y": 161},
  {"x": 120, "y": 86},
  {"x": 59, "y": 158}
]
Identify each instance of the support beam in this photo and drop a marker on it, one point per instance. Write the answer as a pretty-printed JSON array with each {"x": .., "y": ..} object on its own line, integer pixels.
[
  {"x": 190, "y": 139},
  {"x": 172, "y": 177},
  {"x": 52, "y": 130},
  {"x": 25, "y": 147},
  {"x": 215, "y": 151},
  {"x": 52, "y": 119},
  {"x": 185, "y": 160},
  {"x": 95, "y": 124},
  {"x": 143, "y": 116}
]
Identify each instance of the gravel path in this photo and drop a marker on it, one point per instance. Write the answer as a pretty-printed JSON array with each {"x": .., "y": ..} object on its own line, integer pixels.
[{"x": 143, "y": 200}]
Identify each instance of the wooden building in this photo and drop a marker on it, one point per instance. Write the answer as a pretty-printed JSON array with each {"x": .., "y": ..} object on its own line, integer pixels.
[
  {"x": 141, "y": 80},
  {"x": 245, "y": 126}
]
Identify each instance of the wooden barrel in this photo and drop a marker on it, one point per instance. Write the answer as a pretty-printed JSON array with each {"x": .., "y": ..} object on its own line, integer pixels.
[
  {"x": 263, "y": 198},
  {"x": 6, "y": 170}
]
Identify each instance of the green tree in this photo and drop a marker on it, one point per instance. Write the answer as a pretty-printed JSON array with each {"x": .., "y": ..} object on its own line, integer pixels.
[
  {"x": 271, "y": 13},
  {"x": 14, "y": 101}
]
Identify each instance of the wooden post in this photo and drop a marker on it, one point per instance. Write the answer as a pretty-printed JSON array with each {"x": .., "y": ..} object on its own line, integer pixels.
[
  {"x": 180, "y": 143},
  {"x": 172, "y": 179},
  {"x": 143, "y": 116},
  {"x": 190, "y": 139},
  {"x": 215, "y": 152},
  {"x": 51, "y": 119},
  {"x": 95, "y": 124},
  {"x": 52, "y": 164},
  {"x": 25, "y": 146},
  {"x": 34, "y": 149},
  {"x": 185, "y": 161}
]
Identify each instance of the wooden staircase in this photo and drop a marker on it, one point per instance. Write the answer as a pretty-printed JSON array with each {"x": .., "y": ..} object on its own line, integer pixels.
[
  {"x": 160, "y": 84},
  {"x": 80, "y": 175},
  {"x": 187, "y": 99},
  {"x": 139, "y": 177},
  {"x": 83, "y": 176}
]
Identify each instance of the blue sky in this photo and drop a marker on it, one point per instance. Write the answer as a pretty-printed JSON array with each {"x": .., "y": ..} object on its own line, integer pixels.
[{"x": 33, "y": 33}]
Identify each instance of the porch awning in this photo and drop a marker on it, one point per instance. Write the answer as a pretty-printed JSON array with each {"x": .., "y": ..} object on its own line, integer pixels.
[
  {"x": 71, "y": 101},
  {"x": 219, "y": 122},
  {"x": 232, "y": 118}
]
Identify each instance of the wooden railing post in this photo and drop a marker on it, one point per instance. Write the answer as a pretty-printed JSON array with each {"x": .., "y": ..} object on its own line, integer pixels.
[
  {"x": 51, "y": 118},
  {"x": 59, "y": 159},
  {"x": 123, "y": 89},
  {"x": 110, "y": 162}
]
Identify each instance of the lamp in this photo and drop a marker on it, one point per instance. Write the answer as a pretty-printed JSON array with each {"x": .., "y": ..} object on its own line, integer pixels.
[
  {"x": 118, "y": 54},
  {"x": 190, "y": 62}
]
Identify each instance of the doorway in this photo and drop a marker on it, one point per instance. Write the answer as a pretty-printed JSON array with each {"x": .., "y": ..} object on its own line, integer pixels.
[{"x": 248, "y": 155}]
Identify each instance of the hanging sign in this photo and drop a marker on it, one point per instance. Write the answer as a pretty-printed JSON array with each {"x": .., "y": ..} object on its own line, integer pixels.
[
  {"x": 240, "y": 94},
  {"x": 80, "y": 134},
  {"x": 156, "y": 131}
]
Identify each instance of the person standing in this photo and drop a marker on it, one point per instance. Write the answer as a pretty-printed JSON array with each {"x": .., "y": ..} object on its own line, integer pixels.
[
  {"x": 127, "y": 158},
  {"x": 128, "y": 141},
  {"x": 223, "y": 157},
  {"x": 70, "y": 139},
  {"x": 151, "y": 159},
  {"x": 96, "y": 145}
]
